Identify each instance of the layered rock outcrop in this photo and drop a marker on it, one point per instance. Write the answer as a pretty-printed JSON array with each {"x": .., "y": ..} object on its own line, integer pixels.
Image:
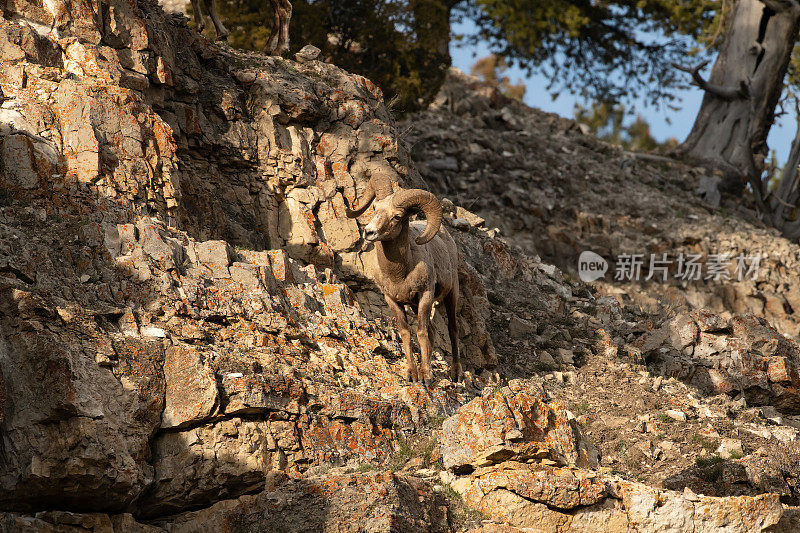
[
  {"x": 513, "y": 423},
  {"x": 743, "y": 355},
  {"x": 563, "y": 499},
  {"x": 181, "y": 346},
  {"x": 499, "y": 449},
  {"x": 133, "y": 106},
  {"x": 556, "y": 190}
]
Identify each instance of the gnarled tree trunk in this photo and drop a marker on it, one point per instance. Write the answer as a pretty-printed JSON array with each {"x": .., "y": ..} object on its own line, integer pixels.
[
  {"x": 785, "y": 199},
  {"x": 744, "y": 87}
]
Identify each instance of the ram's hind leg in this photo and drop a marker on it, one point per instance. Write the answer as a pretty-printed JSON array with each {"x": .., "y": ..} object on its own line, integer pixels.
[
  {"x": 283, "y": 36},
  {"x": 412, "y": 374},
  {"x": 199, "y": 19},
  {"x": 450, "y": 304}
]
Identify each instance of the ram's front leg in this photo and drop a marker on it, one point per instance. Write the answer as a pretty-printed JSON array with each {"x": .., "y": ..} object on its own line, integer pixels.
[
  {"x": 423, "y": 321},
  {"x": 211, "y": 7},
  {"x": 412, "y": 374}
]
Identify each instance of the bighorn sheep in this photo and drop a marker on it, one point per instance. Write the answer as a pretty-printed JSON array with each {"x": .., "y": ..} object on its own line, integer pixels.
[
  {"x": 278, "y": 42},
  {"x": 417, "y": 264}
]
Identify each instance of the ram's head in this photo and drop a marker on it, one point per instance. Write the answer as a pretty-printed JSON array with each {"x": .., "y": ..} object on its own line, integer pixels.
[{"x": 392, "y": 212}]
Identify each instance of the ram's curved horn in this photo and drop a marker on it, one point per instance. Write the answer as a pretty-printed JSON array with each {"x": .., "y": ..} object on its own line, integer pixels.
[
  {"x": 379, "y": 186},
  {"x": 380, "y": 178},
  {"x": 369, "y": 195},
  {"x": 427, "y": 203}
]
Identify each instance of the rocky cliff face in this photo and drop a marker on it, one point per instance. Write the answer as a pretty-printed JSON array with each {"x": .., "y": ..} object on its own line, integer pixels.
[
  {"x": 154, "y": 358},
  {"x": 189, "y": 340}
]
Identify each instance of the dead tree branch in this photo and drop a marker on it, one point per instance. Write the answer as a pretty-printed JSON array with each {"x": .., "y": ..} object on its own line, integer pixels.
[
  {"x": 722, "y": 10},
  {"x": 652, "y": 158},
  {"x": 724, "y": 93}
]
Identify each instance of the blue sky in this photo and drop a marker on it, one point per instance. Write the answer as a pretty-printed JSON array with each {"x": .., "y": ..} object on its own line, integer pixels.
[{"x": 464, "y": 56}]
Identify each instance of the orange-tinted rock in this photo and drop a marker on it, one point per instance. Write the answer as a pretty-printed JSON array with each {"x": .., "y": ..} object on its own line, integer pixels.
[
  {"x": 569, "y": 499},
  {"x": 652, "y": 510},
  {"x": 513, "y": 423},
  {"x": 259, "y": 393},
  {"x": 191, "y": 390}
]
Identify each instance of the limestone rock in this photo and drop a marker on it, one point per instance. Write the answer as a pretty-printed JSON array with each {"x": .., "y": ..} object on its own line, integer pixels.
[
  {"x": 471, "y": 218},
  {"x": 651, "y": 510},
  {"x": 378, "y": 501},
  {"x": 308, "y": 53},
  {"x": 513, "y": 423},
  {"x": 191, "y": 388},
  {"x": 214, "y": 257},
  {"x": 203, "y": 465},
  {"x": 519, "y": 327},
  {"x": 742, "y": 355},
  {"x": 730, "y": 448},
  {"x": 568, "y": 499},
  {"x": 78, "y": 433}
]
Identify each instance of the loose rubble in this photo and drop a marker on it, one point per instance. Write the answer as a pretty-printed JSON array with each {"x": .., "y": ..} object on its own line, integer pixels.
[{"x": 557, "y": 192}]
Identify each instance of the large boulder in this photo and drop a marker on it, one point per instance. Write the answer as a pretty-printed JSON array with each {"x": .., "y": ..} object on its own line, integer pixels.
[
  {"x": 552, "y": 500},
  {"x": 74, "y": 431},
  {"x": 379, "y": 502},
  {"x": 650, "y": 509},
  {"x": 513, "y": 423}
]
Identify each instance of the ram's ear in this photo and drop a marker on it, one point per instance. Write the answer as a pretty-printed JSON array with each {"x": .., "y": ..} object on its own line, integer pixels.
[{"x": 427, "y": 203}]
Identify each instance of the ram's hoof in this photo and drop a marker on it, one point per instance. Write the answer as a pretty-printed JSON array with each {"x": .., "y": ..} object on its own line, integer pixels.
[
  {"x": 426, "y": 376},
  {"x": 412, "y": 375}
]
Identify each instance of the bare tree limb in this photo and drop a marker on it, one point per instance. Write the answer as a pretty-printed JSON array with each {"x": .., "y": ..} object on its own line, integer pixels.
[
  {"x": 653, "y": 158},
  {"x": 723, "y": 93},
  {"x": 779, "y": 200},
  {"x": 722, "y": 10},
  {"x": 754, "y": 178}
]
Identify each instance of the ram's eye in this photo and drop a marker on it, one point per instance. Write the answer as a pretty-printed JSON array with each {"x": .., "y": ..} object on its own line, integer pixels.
[{"x": 396, "y": 217}]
